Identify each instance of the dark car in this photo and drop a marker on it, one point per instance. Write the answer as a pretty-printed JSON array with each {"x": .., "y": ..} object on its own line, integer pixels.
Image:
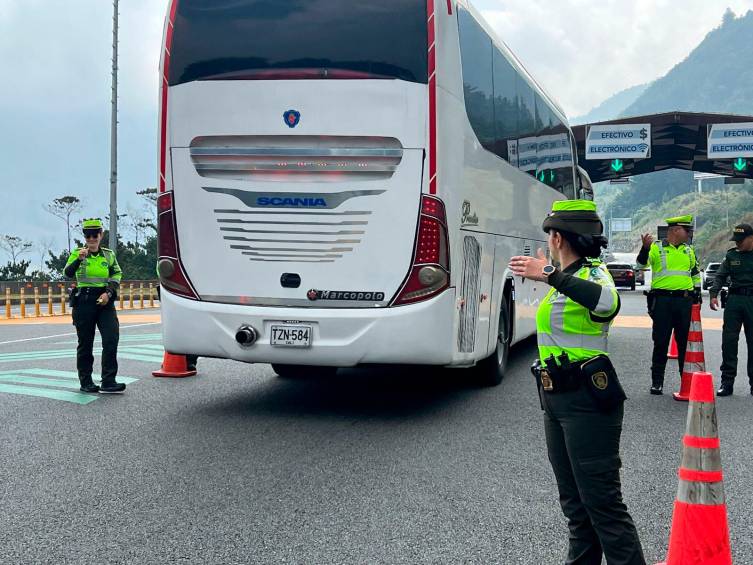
[
  {"x": 623, "y": 274},
  {"x": 710, "y": 274},
  {"x": 640, "y": 276}
]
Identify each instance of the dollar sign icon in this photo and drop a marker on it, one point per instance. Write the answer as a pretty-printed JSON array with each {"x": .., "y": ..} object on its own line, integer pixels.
[{"x": 644, "y": 133}]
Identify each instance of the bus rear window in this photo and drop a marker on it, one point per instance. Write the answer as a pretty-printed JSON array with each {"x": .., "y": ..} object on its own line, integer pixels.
[{"x": 297, "y": 39}]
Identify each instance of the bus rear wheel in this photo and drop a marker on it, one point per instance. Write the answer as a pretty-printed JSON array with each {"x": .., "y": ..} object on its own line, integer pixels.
[
  {"x": 303, "y": 371},
  {"x": 491, "y": 371}
]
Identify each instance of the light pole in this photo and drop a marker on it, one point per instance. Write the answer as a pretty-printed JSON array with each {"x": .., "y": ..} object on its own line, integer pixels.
[{"x": 113, "y": 241}]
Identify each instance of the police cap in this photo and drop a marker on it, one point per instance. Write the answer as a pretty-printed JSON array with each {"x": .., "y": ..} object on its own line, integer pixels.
[
  {"x": 684, "y": 221},
  {"x": 741, "y": 231},
  {"x": 92, "y": 224},
  {"x": 575, "y": 216}
]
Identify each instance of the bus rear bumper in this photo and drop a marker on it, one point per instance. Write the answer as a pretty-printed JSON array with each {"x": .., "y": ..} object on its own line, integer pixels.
[{"x": 415, "y": 334}]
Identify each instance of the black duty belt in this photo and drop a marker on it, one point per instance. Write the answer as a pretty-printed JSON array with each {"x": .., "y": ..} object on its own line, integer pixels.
[
  {"x": 91, "y": 289},
  {"x": 680, "y": 293},
  {"x": 744, "y": 291}
]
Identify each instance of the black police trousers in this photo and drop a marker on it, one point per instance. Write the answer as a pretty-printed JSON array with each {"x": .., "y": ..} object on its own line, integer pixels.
[
  {"x": 738, "y": 313},
  {"x": 583, "y": 444},
  {"x": 87, "y": 316},
  {"x": 669, "y": 313}
]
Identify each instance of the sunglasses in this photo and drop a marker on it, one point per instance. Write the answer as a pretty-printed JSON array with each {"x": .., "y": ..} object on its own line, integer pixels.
[{"x": 91, "y": 234}]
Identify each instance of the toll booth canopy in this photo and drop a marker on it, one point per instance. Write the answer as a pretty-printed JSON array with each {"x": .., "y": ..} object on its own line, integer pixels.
[{"x": 710, "y": 143}]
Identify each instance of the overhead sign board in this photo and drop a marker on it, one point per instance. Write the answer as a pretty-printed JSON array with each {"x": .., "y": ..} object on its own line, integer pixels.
[
  {"x": 730, "y": 141},
  {"x": 619, "y": 141},
  {"x": 621, "y": 224}
]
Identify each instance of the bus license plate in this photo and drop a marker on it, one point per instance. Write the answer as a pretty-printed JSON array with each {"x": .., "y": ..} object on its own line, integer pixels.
[{"x": 291, "y": 336}]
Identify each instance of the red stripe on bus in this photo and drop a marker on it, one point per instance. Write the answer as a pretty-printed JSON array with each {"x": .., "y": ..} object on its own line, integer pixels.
[
  {"x": 701, "y": 442},
  {"x": 700, "y": 476},
  {"x": 432, "y": 98},
  {"x": 164, "y": 86},
  {"x": 449, "y": 7}
]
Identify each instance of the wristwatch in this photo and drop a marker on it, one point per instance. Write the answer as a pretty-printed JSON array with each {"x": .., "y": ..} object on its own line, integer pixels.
[{"x": 549, "y": 270}]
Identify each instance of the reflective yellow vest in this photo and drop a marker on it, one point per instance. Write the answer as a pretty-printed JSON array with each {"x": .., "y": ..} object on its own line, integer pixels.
[
  {"x": 673, "y": 268},
  {"x": 564, "y": 326},
  {"x": 97, "y": 270}
]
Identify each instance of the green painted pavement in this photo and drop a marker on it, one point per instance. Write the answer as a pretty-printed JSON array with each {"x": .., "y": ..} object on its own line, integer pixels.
[
  {"x": 35, "y": 382},
  {"x": 64, "y": 395},
  {"x": 63, "y": 374},
  {"x": 145, "y": 352}
]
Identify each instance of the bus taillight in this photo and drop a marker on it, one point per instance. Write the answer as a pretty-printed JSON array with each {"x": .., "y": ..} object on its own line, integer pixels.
[
  {"x": 169, "y": 269},
  {"x": 430, "y": 272}
]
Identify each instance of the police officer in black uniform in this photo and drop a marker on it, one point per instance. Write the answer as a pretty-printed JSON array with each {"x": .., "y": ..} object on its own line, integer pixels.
[
  {"x": 738, "y": 311},
  {"x": 98, "y": 277}
]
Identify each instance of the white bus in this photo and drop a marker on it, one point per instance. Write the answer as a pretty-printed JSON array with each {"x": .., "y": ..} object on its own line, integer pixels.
[{"x": 343, "y": 182}]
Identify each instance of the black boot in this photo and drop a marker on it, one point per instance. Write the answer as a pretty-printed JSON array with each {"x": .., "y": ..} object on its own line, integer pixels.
[
  {"x": 89, "y": 387},
  {"x": 657, "y": 389},
  {"x": 725, "y": 390},
  {"x": 112, "y": 388}
]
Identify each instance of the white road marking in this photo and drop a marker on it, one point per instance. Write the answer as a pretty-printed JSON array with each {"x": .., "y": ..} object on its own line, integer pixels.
[{"x": 70, "y": 334}]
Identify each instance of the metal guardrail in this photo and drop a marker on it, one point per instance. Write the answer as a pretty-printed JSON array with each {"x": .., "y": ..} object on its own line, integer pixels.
[{"x": 132, "y": 296}]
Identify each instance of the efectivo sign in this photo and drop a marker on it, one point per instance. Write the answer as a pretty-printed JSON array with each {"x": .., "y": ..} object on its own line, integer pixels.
[
  {"x": 619, "y": 141},
  {"x": 730, "y": 141}
]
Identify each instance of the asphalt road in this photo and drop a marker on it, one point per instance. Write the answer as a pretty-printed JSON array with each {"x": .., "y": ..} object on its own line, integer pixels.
[{"x": 237, "y": 465}]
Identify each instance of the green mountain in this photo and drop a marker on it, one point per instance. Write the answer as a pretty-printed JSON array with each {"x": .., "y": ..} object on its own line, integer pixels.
[
  {"x": 612, "y": 106},
  {"x": 715, "y": 77}
]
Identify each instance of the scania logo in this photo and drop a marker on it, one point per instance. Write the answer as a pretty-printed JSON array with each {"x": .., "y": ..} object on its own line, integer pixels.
[
  {"x": 312, "y": 294},
  {"x": 283, "y": 202},
  {"x": 292, "y": 118}
]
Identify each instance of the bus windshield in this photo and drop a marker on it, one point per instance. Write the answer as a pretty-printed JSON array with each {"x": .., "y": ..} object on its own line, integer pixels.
[{"x": 299, "y": 39}]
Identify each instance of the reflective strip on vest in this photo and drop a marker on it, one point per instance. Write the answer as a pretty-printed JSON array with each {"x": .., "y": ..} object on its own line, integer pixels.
[
  {"x": 573, "y": 341},
  {"x": 92, "y": 280},
  {"x": 606, "y": 301}
]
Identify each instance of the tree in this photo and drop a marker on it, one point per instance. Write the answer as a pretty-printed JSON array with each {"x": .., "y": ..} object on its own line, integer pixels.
[
  {"x": 150, "y": 195},
  {"x": 14, "y": 271},
  {"x": 63, "y": 208},
  {"x": 43, "y": 247},
  {"x": 729, "y": 16},
  {"x": 14, "y": 246}
]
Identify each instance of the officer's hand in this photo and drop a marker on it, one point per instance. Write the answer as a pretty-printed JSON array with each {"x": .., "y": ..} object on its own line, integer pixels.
[
  {"x": 103, "y": 299},
  {"x": 530, "y": 267},
  {"x": 714, "y": 303},
  {"x": 83, "y": 253},
  {"x": 647, "y": 240}
]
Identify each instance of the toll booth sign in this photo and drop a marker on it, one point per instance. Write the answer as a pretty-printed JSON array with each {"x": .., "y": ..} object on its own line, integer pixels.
[
  {"x": 619, "y": 141},
  {"x": 731, "y": 141}
]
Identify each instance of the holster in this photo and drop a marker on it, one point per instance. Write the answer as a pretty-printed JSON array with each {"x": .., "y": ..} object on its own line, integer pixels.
[
  {"x": 536, "y": 372},
  {"x": 723, "y": 297},
  {"x": 72, "y": 296},
  {"x": 650, "y": 302},
  {"x": 602, "y": 382}
]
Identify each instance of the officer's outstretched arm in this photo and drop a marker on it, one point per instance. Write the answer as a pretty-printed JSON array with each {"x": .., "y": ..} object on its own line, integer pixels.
[{"x": 597, "y": 293}]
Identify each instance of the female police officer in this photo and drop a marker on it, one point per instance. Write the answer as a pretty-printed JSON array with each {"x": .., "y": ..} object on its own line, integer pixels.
[
  {"x": 580, "y": 393},
  {"x": 98, "y": 277}
]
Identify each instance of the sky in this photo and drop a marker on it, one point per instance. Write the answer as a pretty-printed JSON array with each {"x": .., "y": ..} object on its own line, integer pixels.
[{"x": 55, "y": 95}]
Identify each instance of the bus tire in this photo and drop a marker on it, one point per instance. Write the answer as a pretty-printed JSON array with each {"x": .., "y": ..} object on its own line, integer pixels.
[
  {"x": 303, "y": 371},
  {"x": 491, "y": 371}
]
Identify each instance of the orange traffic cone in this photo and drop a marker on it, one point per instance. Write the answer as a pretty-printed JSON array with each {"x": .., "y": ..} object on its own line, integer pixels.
[
  {"x": 700, "y": 534},
  {"x": 174, "y": 366},
  {"x": 672, "y": 348},
  {"x": 695, "y": 360}
]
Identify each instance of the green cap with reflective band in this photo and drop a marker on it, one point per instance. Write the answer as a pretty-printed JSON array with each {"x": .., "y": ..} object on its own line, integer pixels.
[
  {"x": 684, "y": 221},
  {"x": 574, "y": 206},
  {"x": 92, "y": 224},
  {"x": 576, "y": 216}
]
